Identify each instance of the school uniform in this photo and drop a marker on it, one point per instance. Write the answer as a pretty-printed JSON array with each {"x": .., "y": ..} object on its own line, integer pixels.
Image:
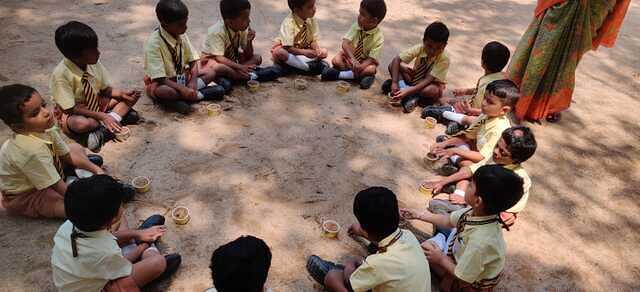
[
  {"x": 481, "y": 87},
  {"x": 436, "y": 66},
  {"x": 296, "y": 32},
  {"x": 521, "y": 172},
  {"x": 366, "y": 44},
  {"x": 223, "y": 41}
]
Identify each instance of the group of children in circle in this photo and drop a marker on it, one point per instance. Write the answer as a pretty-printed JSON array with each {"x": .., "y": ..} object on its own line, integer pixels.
[{"x": 481, "y": 186}]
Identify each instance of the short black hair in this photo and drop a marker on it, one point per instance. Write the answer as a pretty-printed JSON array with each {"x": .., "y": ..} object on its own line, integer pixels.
[
  {"x": 74, "y": 37},
  {"x": 376, "y": 8},
  {"x": 170, "y": 11},
  {"x": 506, "y": 90},
  {"x": 241, "y": 265},
  {"x": 499, "y": 188},
  {"x": 521, "y": 143},
  {"x": 495, "y": 56},
  {"x": 437, "y": 32},
  {"x": 91, "y": 203},
  {"x": 12, "y": 98},
  {"x": 293, "y": 4},
  {"x": 230, "y": 9},
  {"x": 376, "y": 209}
]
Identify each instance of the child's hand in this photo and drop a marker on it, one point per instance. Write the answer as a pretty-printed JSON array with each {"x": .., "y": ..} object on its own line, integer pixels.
[
  {"x": 311, "y": 53},
  {"x": 508, "y": 218},
  {"x": 244, "y": 70},
  {"x": 356, "y": 229},
  {"x": 110, "y": 123},
  {"x": 131, "y": 95},
  {"x": 402, "y": 93},
  {"x": 437, "y": 147},
  {"x": 151, "y": 234},
  {"x": 410, "y": 214},
  {"x": 466, "y": 106},
  {"x": 457, "y": 199},
  {"x": 458, "y": 91},
  {"x": 433, "y": 253},
  {"x": 251, "y": 35}
]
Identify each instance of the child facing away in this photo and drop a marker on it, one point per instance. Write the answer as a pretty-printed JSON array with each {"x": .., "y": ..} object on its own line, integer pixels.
[
  {"x": 424, "y": 83},
  {"x": 91, "y": 110},
  {"x": 296, "y": 48},
  {"x": 94, "y": 250},
  {"x": 35, "y": 160},
  {"x": 241, "y": 265},
  {"x": 173, "y": 77},
  {"x": 472, "y": 256},
  {"x": 516, "y": 145},
  {"x": 476, "y": 143},
  {"x": 361, "y": 47},
  {"x": 458, "y": 114},
  {"x": 228, "y": 47},
  {"x": 398, "y": 263}
]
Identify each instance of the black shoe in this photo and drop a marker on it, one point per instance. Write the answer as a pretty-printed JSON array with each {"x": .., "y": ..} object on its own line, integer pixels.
[
  {"x": 177, "y": 106},
  {"x": 96, "y": 159},
  {"x": 226, "y": 83},
  {"x": 386, "y": 86},
  {"x": 318, "y": 268},
  {"x": 448, "y": 189},
  {"x": 453, "y": 128},
  {"x": 268, "y": 74},
  {"x": 330, "y": 74},
  {"x": 441, "y": 138},
  {"x": 316, "y": 67},
  {"x": 436, "y": 112},
  {"x": 153, "y": 220},
  {"x": 99, "y": 137},
  {"x": 410, "y": 103},
  {"x": 448, "y": 169},
  {"x": 215, "y": 92},
  {"x": 129, "y": 192},
  {"x": 366, "y": 82},
  {"x": 131, "y": 118},
  {"x": 173, "y": 263}
]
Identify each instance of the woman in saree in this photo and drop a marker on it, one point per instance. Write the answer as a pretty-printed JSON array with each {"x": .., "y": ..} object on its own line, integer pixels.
[{"x": 546, "y": 58}]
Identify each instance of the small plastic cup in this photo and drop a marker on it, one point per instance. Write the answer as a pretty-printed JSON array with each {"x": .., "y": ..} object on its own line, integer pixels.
[
  {"x": 142, "y": 184},
  {"x": 253, "y": 85},
  {"x": 124, "y": 134},
  {"x": 430, "y": 122},
  {"x": 181, "y": 215},
  {"x": 214, "y": 110},
  {"x": 425, "y": 190},
  {"x": 330, "y": 228},
  {"x": 343, "y": 87},
  {"x": 430, "y": 159},
  {"x": 300, "y": 84}
]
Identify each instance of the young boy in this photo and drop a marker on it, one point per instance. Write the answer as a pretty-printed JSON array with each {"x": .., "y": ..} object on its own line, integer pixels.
[
  {"x": 87, "y": 253},
  {"x": 296, "y": 48},
  {"x": 34, "y": 162},
  {"x": 483, "y": 135},
  {"x": 516, "y": 146},
  {"x": 424, "y": 83},
  {"x": 495, "y": 57},
  {"x": 92, "y": 111},
  {"x": 473, "y": 257},
  {"x": 228, "y": 47},
  {"x": 399, "y": 263},
  {"x": 241, "y": 265},
  {"x": 172, "y": 74},
  {"x": 361, "y": 47}
]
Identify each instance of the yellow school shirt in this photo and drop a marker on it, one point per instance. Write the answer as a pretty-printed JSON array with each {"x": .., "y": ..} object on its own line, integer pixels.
[
  {"x": 521, "y": 172},
  {"x": 291, "y": 26},
  {"x": 219, "y": 38},
  {"x": 99, "y": 260},
  {"x": 373, "y": 40},
  {"x": 26, "y": 162},
  {"x": 480, "y": 249},
  {"x": 439, "y": 64},
  {"x": 403, "y": 267},
  {"x": 158, "y": 62},
  {"x": 488, "y": 135},
  {"x": 477, "y": 99},
  {"x": 66, "y": 82}
]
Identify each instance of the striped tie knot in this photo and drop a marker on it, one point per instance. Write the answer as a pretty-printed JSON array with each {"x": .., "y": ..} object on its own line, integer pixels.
[
  {"x": 359, "y": 51},
  {"x": 90, "y": 97}
]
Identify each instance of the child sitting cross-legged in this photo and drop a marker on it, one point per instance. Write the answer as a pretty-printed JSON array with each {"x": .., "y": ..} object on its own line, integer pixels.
[
  {"x": 457, "y": 113},
  {"x": 241, "y": 265},
  {"x": 516, "y": 146},
  {"x": 398, "y": 263},
  {"x": 35, "y": 160},
  {"x": 472, "y": 256},
  {"x": 476, "y": 143},
  {"x": 361, "y": 47},
  {"x": 94, "y": 250}
]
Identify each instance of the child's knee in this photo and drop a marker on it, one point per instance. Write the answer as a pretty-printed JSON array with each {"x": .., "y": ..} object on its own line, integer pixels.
[
  {"x": 155, "y": 260},
  {"x": 280, "y": 55},
  {"x": 257, "y": 60},
  {"x": 432, "y": 91},
  {"x": 82, "y": 124},
  {"x": 165, "y": 92},
  {"x": 76, "y": 149}
]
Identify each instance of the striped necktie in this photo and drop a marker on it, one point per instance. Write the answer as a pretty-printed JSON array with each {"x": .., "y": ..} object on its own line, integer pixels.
[
  {"x": 301, "y": 40},
  {"x": 91, "y": 99},
  {"x": 176, "y": 55},
  {"x": 479, "y": 123},
  {"x": 421, "y": 69},
  {"x": 359, "y": 51},
  {"x": 231, "y": 51},
  {"x": 57, "y": 162}
]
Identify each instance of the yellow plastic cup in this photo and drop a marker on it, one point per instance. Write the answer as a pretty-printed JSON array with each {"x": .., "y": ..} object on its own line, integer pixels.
[
  {"x": 343, "y": 87},
  {"x": 300, "y": 84},
  {"x": 253, "y": 85},
  {"x": 214, "y": 110},
  {"x": 425, "y": 190},
  {"x": 142, "y": 184},
  {"x": 124, "y": 134},
  {"x": 330, "y": 228},
  {"x": 430, "y": 123},
  {"x": 181, "y": 215}
]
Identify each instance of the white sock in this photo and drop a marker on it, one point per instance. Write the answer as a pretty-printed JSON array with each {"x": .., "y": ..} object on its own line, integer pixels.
[
  {"x": 304, "y": 58},
  {"x": 200, "y": 95},
  {"x": 293, "y": 61},
  {"x": 201, "y": 83},
  {"x": 402, "y": 84},
  {"x": 346, "y": 75},
  {"x": 253, "y": 76},
  {"x": 440, "y": 240},
  {"x": 455, "y": 158},
  {"x": 453, "y": 116},
  {"x": 116, "y": 116},
  {"x": 459, "y": 192}
]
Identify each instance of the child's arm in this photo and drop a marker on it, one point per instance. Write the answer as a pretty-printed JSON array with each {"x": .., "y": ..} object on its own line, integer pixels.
[
  {"x": 462, "y": 174},
  {"x": 414, "y": 89},
  {"x": 137, "y": 252},
  {"x": 454, "y": 141},
  {"x": 108, "y": 121},
  {"x": 347, "y": 48},
  {"x": 442, "y": 221},
  {"x": 464, "y": 91},
  {"x": 471, "y": 155},
  {"x": 82, "y": 164},
  {"x": 60, "y": 187},
  {"x": 248, "y": 49},
  {"x": 335, "y": 281},
  {"x": 439, "y": 259},
  {"x": 146, "y": 235},
  {"x": 127, "y": 96},
  {"x": 181, "y": 89},
  {"x": 395, "y": 74}
]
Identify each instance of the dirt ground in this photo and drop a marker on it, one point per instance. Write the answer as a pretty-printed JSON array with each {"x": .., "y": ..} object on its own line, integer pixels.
[{"x": 281, "y": 160}]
